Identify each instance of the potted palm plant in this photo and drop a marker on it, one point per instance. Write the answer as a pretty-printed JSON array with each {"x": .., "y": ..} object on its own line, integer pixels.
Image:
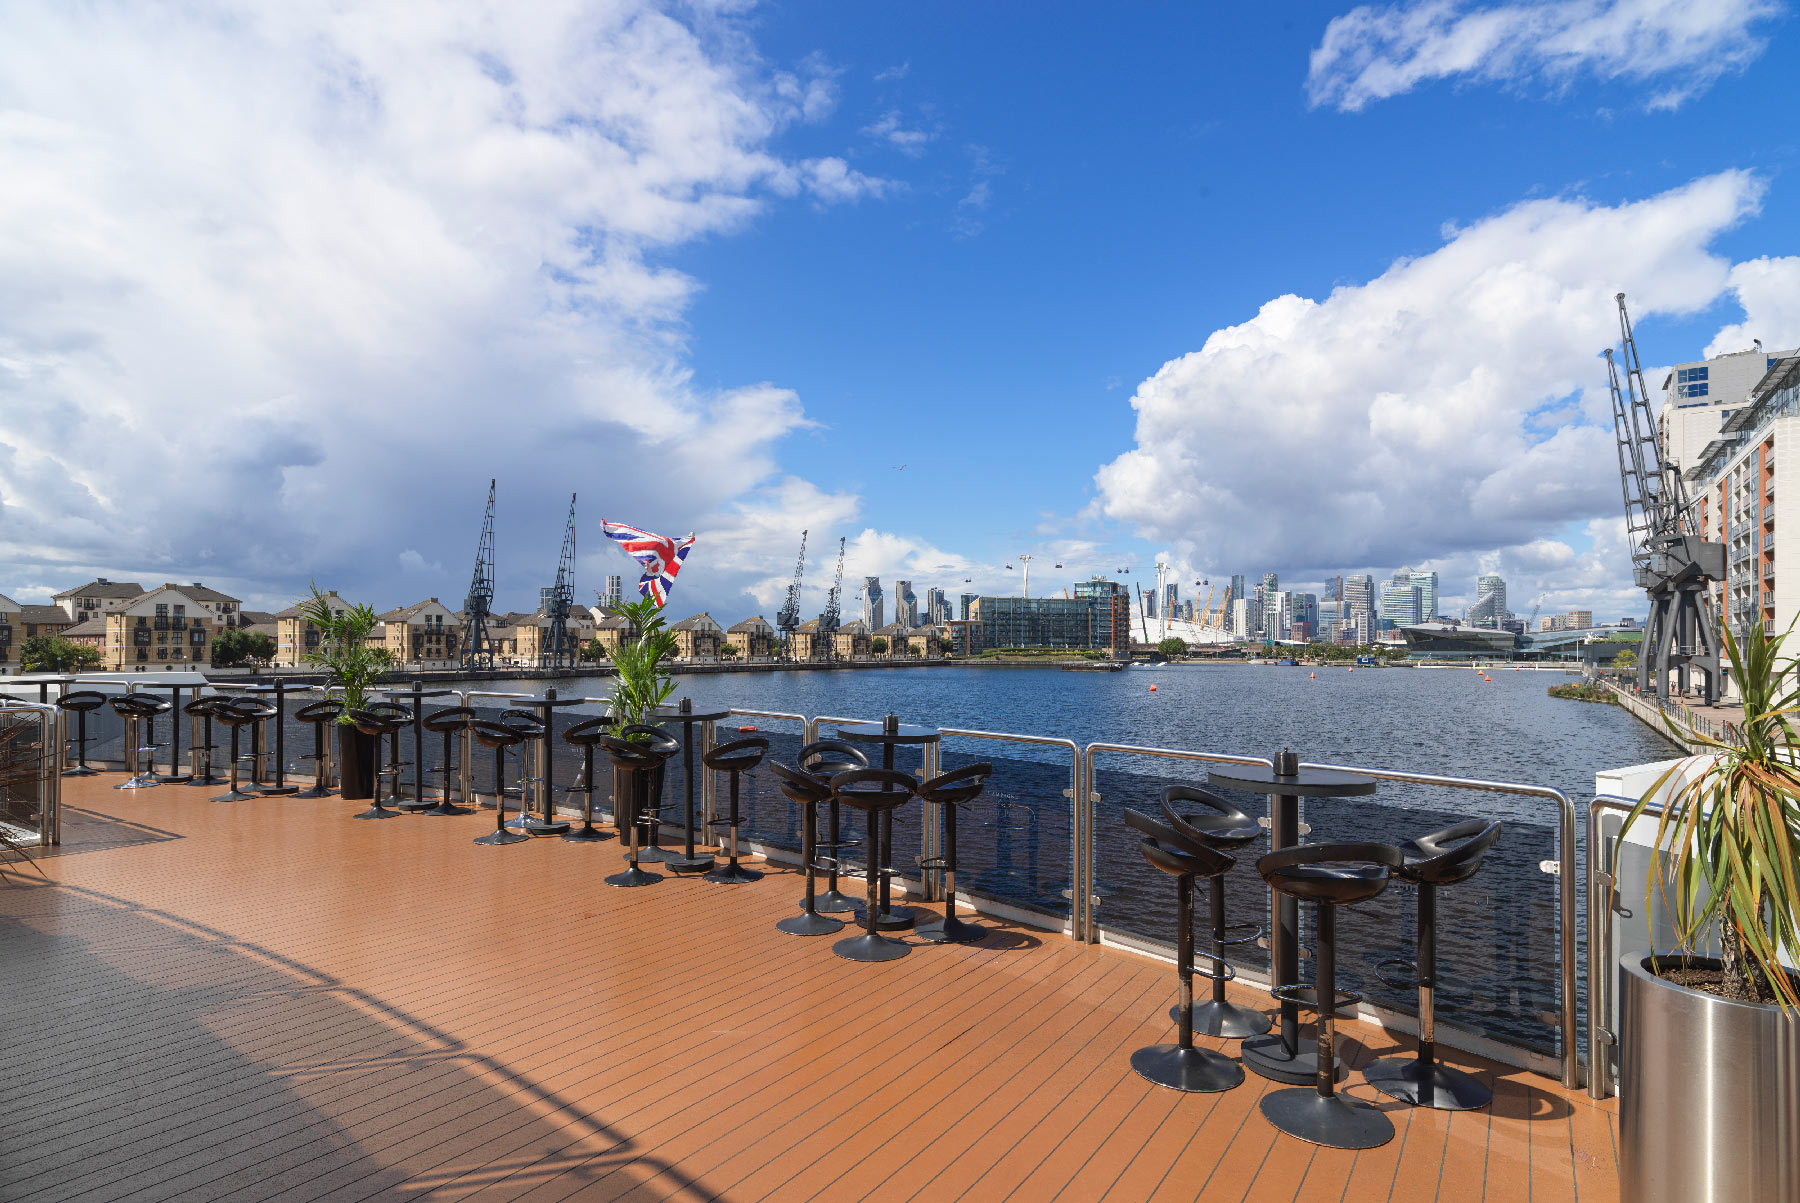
[
  {"x": 352, "y": 664},
  {"x": 1709, "y": 1035},
  {"x": 642, "y": 683}
]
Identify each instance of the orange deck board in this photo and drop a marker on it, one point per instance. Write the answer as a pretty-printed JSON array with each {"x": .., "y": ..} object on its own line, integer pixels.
[{"x": 266, "y": 1000}]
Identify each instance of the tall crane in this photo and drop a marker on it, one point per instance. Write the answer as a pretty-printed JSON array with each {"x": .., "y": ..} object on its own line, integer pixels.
[
  {"x": 833, "y": 615},
  {"x": 477, "y": 650},
  {"x": 1206, "y": 610},
  {"x": 788, "y": 620},
  {"x": 558, "y": 649},
  {"x": 1671, "y": 563}
]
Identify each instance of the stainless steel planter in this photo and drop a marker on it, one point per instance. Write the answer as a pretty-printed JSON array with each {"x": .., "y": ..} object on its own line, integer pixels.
[{"x": 1709, "y": 1095}]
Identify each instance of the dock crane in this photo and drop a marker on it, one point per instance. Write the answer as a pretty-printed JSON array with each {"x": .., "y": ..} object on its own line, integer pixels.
[
  {"x": 1671, "y": 563},
  {"x": 1206, "y": 610},
  {"x": 788, "y": 620},
  {"x": 833, "y": 615},
  {"x": 558, "y": 649},
  {"x": 477, "y": 650}
]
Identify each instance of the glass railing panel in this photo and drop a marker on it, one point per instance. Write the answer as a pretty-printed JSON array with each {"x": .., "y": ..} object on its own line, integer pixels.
[
  {"x": 1014, "y": 843},
  {"x": 27, "y": 741}
]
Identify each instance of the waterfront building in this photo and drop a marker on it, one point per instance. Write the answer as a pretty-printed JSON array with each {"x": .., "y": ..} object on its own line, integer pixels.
[
  {"x": 925, "y": 643},
  {"x": 937, "y": 606},
  {"x": 967, "y": 600},
  {"x": 1738, "y": 503},
  {"x": 1112, "y": 613},
  {"x": 872, "y": 612},
  {"x": 754, "y": 638},
  {"x": 1040, "y": 622},
  {"x": 1580, "y": 620},
  {"x": 1243, "y": 617},
  {"x": 1268, "y": 623},
  {"x": 296, "y": 638},
  {"x": 614, "y": 595},
  {"x": 1238, "y": 591},
  {"x": 158, "y": 629},
  {"x": 906, "y": 604},
  {"x": 89, "y": 632},
  {"x": 10, "y": 613},
  {"x": 1331, "y": 621},
  {"x": 1698, "y": 398},
  {"x": 1489, "y": 609},
  {"x": 850, "y": 642},
  {"x": 425, "y": 634},
  {"x": 225, "y": 608},
  {"x": 1149, "y": 600},
  {"x": 1361, "y": 628},
  {"x": 97, "y": 597},
  {"x": 895, "y": 633},
  {"x": 1400, "y": 604},
  {"x": 805, "y": 645},
  {"x": 697, "y": 638},
  {"x": 1427, "y": 585}
]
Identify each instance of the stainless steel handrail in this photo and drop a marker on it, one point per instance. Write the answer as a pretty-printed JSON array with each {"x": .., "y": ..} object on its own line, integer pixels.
[
  {"x": 1600, "y": 886},
  {"x": 1072, "y": 794},
  {"x": 50, "y": 764},
  {"x": 1087, "y": 929}
]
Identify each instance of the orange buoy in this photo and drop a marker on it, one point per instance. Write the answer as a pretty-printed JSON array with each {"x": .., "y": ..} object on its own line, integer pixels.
[
  {"x": 1310, "y": 676},
  {"x": 746, "y": 728},
  {"x": 1153, "y": 689},
  {"x": 1353, "y": 668}
]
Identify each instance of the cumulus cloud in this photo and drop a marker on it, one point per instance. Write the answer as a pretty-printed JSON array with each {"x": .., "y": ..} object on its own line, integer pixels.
[
  {"x": 1679, "y": 47},
  {"x": 1451, "y": 407},
  {"x": 282, "y": 286},
  {"x": 1769, "y": 292},
  {"x": 891, "y": 128}
]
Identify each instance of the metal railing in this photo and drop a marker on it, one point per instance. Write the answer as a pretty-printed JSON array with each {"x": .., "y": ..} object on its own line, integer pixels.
[{"x": 39, "y": 778}]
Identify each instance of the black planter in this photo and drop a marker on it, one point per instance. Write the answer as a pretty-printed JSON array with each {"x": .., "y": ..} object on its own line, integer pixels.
[
  {"x": 356, "y": 753},
  {"x": 635, "y": 791}
]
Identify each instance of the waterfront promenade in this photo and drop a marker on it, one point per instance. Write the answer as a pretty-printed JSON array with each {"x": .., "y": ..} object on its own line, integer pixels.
[{"x": 268, "y": 1001}]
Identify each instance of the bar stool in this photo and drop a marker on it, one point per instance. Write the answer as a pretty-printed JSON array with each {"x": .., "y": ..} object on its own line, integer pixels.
[
  {"x": 204, "y": 709},
  {"x": 585, "y": 736},
  {"x": 737, "y": 758},
  {"x": 1442, "y": 858},
  {"x": 448, "y": 723},
  {"x": 1328, "y": 876},
  {"x": 378, "y": 723},
  {"x": 499, "y": 737},
  {"x": 872, "y": 791},
  {"x": 139, "y": 710},
  {"x": 807, "y": 792},
  {"x": 635, "y": 763},
  {"x": 531, "y": 730},
  {"x": 951, "y": 791},
  {"x": 238, "y": 713},
  {"x": 400, "y": 718},
  {"x": 1224, "y": 827},
  {"x": 824, "y": 759},
  {"x": 1182, "y": 1066},
  {"x": 321, "y": 715},
  {"x": 79, "y": 703}
]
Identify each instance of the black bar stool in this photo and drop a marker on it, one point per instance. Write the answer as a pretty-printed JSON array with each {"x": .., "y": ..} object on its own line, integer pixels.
[
  {"x": 379, "y": 722},
  {"x": 1225, "y": 827},
  {"x": 807, "y": 792},
  {"x": 236, "y": 714},
  {"x": 951, "y": 791},
  {"x": 824, "y": 759},
  {"x": 499, "y": 737},
  {"x": 531, "y": 731},
  {"x": 637, "y": 764},
  {"x": 737, "y": 758},
  {"x": 204, "y": 709},
  {"x": 1440, "y": 859},
  {"x": 321, "y": 715},
  {"x": 448, "y": 723},
  {"x": 585, "y": 736},
  {"x": 872, "y": 791},
  {"x": 1328, "y": 876},
  {"x": 139, "y": 710},
  {"x": 79, "y": 703},
  {"x": 1182, "y": 1066}
]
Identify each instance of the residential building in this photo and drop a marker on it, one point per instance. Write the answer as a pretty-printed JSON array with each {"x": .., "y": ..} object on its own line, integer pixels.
[
  {"x": 1401, "y": 605},
  {"x": 613, "y": 629},
  {"x": 159, "y": 629},
  {"x": 1112, "y": 613},
  {"x": 1361, "y": 628},
  {"x": 12, "y": 628},
  {"x": 1042, "y": 622},
  {"x": 98, "y": 596},
  {"x": 1580, "y": 620},
  {"x": 1427, "y": 585},
  {"x": 872, "y": 611},
  {"x": 614, "y": 595},
  {"x": 1171, "y": 599},
  {"x": 925, "y": 642},
  {"x": 754, "y": 638},
  {"x": 1149, "y": 600},
  {"x": 296, "y": 638},
  {"x": 1243, "y": 617},
  {"x": 1698, "y": 398},
  {"x": 963, "y": 603},
  {"x": 906, "y": 604},
  {"x": 1489, "y": 609},
  {"x": 89, "y": 632},
  {"x": 805, "y": 644},
  {"x": 937, "y": 606},
  {"x": 531, "y": 633},
  {"x": 224, "y": 606},
  {"x": 1238, "y": 590},
  {"x": 422, "y": 635},
  {"x": 850, "y": 641},
  {"x": 895, "y": 633},
  {"x": 1270, "y": 622},
  {"x": 698, "y": 638}
]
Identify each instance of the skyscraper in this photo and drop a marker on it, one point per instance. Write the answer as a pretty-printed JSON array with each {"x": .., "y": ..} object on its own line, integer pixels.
[
  {"x": 937, "y": 606},
  {"x": 906, "y": 604},
  {"x": 964, "y": 601},
  {"x": 1427, "y": 585},
  {"x": 1489, "y": 609},
  {"x": 1400, "y": 604},
  {"x": 1237, "y": 587},
  {"x": 1359, "y": 596},
  {"x": 1171, "y": 599},
  {"x": 1271, "y": 622},
  {"x": 615, "y": 592},
  {"x": 873, "y": 615}
]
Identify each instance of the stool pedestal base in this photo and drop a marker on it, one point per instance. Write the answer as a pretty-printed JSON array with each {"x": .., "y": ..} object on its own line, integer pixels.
[
  {"x": 870, "y": 947},
  {"x": 80, "y": 771},
  {"x": 1428, "y": 1084},
  {"x": 494, "y": 839},
  {"x": 587, "y": 835},
  {"x": 279, "y": 790},
  {"x": 686, "y": 866},
  {"x": 633, "y": 876},
  {"x": 951, "y": 931},
  {"x": 809, "y": 925},
  {"x": 1225, "y": 1019},
  {"x": 732, "y": 875},
  {"x": 1194, "y": 1070},
  {"x": 537, "y": 826},
  {"x": 1264, "y": 1057},
  {"x": 1330, "y": 1120},
  {"x": 374, "y": 812},
  {"x": 895, "y": 918},
  {"x": 836, "y": 902},
  {"x": 446, "y": 807}
]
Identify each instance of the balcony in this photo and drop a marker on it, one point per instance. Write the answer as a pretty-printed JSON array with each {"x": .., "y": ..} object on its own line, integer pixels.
[
  {"x": 655, "y": 1043},
  {"x": 1769, "y": 570},
  {"x": 1768, "y": 514}
]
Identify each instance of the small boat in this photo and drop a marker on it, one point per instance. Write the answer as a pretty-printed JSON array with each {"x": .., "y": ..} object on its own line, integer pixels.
[{"x": 1094, "y": 666}]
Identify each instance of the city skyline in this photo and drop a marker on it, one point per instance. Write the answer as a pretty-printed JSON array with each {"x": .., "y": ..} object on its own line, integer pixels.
[{"x": 699, "y": 298}]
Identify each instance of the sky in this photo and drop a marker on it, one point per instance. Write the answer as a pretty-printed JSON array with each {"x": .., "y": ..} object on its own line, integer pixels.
[{"x": 1308, "y": 289}]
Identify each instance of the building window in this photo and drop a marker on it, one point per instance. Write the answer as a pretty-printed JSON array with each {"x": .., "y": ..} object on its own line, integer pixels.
[{"x": 1683, "y": 375}]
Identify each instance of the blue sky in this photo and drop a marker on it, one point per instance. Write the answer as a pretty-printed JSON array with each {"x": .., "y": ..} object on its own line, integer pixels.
[{"x": 725, "y": 270}]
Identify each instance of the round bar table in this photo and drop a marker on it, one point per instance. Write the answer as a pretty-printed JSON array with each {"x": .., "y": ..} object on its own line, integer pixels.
[
  {"x": 889, "y": 733},
  {"x": 546, "y": 823},
  {"x": 44, "y": 684},
  {"x": 175, "y": 776},
  {"x": 1277, "y": 1055},
  {"x": 417, "y": 694},
  {"x": 686, "y": 861},
  {"x": 280, "y": 689}
]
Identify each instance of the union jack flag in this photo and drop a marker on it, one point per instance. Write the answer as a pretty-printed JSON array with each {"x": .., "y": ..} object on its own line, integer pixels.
[{"x": 661, "y": 557}]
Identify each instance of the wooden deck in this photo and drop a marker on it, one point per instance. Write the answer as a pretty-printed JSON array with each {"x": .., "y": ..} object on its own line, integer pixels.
[{"x": 265, "y": 1000}]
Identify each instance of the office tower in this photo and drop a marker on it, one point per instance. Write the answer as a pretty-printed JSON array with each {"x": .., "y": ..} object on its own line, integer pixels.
[
  {"x": 1362, "y": 628},
  {"x": 1427, "y": 585},
  {"x": 615, "y": 591},
  {"x": 1400, "y": 604},
  {"x": 1331, "y": 615},
  {"x": 1359, "y": 595},
  {"x": 963, "y": 603},
  {"x": 1171, "y": 599},
  {"x": 1243, "y": 617},
  {"x": 873, "y": 616},
  {"x": 1489, "y": 609},
  {"x": 1237, "y": 587},
  {"x": 906, "y": 605},
  {"x": 1259, "y": 609}
]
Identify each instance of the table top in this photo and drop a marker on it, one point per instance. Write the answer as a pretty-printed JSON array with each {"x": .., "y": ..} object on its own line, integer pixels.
[
  {"x": 1307, "y": 783},
  {"x": 875, "y": 733},
  {"x": 668, "y": 714},
  {"x": 545, "y": 702},
  {"x": 416, "y": 693},
  {"x": 274, "y": 687}
]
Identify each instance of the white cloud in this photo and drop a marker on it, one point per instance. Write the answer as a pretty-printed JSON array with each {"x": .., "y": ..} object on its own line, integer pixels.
[
  {"x": 1680, "y": 47},
  {"x": 890, "y": 128},
  {"x": 282, "y": 286},
  {"x": 412, "y": 562},
  {"x": 1393, "y": 421},
  {"x": 1769, "y": 292}
]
